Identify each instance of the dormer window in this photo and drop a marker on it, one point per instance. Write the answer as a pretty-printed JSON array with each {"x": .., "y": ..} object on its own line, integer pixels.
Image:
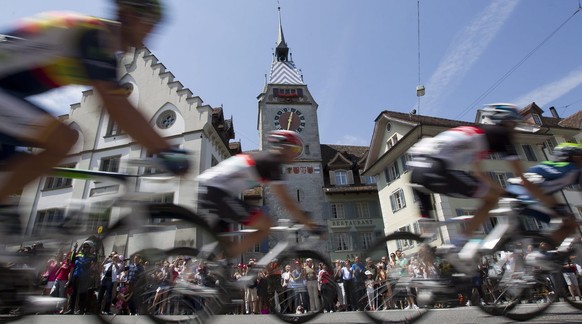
[
  {"x": 391, "y": 142},
  {"x": 537, "y": 119}
]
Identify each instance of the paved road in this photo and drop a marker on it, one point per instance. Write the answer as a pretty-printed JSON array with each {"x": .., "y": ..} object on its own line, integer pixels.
[{"x": 558, "y": 313}]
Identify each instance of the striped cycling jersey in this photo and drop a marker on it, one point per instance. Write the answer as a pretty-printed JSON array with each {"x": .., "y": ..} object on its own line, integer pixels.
[
  {"x": 556, "y": 175},
  {"x": 55, "y": 49}
]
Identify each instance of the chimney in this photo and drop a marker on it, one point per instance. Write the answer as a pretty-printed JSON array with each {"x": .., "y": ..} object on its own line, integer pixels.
[{"x": 554, "y": 112}]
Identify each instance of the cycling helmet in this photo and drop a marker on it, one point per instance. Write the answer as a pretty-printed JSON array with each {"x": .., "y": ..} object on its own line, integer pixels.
[
  {"x": 286, "y": 139},
  {"x": 499, "y": 113},
  {"x": 151, "y": 10},
  {"x": 567, "y": 151},
  {"x": 89, "y": 243}
]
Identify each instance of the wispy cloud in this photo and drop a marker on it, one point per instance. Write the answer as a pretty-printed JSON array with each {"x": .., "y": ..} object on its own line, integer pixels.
[
  {"x": 352, "y": 140},
  {"x": 58, "y": 101},
  {"x": 465, "y": 49},
  {"x": 549, "y": 92}
]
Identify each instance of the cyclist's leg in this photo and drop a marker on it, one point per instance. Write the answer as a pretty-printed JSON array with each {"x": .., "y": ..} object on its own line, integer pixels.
[
  {"x": 232, "y": 209},
  {"x": 30, "y": 125}
]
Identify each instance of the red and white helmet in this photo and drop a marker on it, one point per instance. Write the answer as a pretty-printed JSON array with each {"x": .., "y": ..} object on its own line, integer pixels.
[{"x": 286, "y": 139}]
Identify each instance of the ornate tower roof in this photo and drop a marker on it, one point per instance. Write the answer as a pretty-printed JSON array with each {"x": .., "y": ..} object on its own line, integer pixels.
[{"x": 283, "y": 70}]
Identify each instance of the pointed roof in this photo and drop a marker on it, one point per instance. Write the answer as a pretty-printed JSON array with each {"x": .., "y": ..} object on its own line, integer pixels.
[
  {"x": 281, "y": 51},
  {"x": 572, "y": 121},
  {"x": 283, "y": 70}
]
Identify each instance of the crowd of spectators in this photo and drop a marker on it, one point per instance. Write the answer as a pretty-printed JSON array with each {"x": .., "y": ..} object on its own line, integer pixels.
[{"x": 299, "y": 286}]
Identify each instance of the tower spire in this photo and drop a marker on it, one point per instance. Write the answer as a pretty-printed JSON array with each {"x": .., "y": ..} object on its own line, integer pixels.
[{"x": 281, "y": 51}]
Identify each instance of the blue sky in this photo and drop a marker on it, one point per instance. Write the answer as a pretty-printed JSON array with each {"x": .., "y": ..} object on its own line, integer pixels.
[{"x": 361, "y": 57}]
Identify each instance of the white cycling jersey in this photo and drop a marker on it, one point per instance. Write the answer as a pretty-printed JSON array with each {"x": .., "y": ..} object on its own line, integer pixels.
[{"x": 457, "y": 146}]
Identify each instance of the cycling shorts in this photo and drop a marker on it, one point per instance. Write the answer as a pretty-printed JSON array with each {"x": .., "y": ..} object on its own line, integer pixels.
[
  {"x": 434, "y": 175},
  {"x": 229, "y": 209},
  {"x": 21, "y": 119}
]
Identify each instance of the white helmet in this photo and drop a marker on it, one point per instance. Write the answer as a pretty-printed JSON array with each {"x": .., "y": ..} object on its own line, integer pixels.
[{"x": 499, "y": 113}]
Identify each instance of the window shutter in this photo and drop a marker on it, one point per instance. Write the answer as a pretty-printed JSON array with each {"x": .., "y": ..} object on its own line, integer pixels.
[
  {"x": 386, "y": 175},
  {"x": 332, "y": 178},
  {"x": 396, "y": 169},
  {"x": 350, "y": 175},
  {"x": 403, "y": 198},
  {"x": 392, "y": 202}
]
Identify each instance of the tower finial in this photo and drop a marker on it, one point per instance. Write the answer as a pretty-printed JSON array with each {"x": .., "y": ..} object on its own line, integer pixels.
[{"x": 282, "y": 50}]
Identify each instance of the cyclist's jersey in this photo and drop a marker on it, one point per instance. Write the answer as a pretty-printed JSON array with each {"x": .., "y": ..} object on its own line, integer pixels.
[
  {"x": 554, "y": 175},
  {"x": 243, "y": 171},
  {"x": 56, "y": 49},
  {"x": 463, "y": 145}
]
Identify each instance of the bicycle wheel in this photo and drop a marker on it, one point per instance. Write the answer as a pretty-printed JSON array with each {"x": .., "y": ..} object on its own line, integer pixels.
[
  {"x": 402, "y": 298},
  {"x": 193, "y": 296},
  {"x": 191, "y": 289},
  {"x": 298, "y": 302},
  {"x": 523, "y": 288}
]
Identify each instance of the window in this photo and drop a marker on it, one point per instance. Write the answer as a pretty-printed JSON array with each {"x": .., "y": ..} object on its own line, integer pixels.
[
  {"x": 393, "y": 172},
  {"x": 579, "y": 211},
  {"x": 404, "y": 160},
  {"x": 501, "y": 177},
  {"x": 494, "y": 156},
  {"x": 52, "y": 183},
  {"x": 537, "y": 119},
  {"x": 99, "y": 216},
  {"x": 342, "y": 242},
  {"x": 362, "y": 209},
  {"x": 255, "y": 249},
  {"x": 281, "y": 92},
  {"x": 165, "y": 198},
  {"x": 367, "y": 179},
  {"x": 391, "y": 142},
  {"x": 113, "y": 129},
  {"x": 341, "y": 178},
  {"x": 532, "y": 224},
  {"x": 397, "y": 200},
  {"x": 110, "y": 164},
  {"x": 404, "y": 244},
  {"x": 166, "y": 119},
  {"x": 366, "y": 240},
  {"x": 149, "y": 169},
  {"x": 47, "y": 218},
  {"x": 337, "y": 210},
  {"x": 529, "y": 152},
  {"x": 550, "y": 144}
]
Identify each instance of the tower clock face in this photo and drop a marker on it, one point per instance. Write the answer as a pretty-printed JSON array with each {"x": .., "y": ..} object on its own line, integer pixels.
[{"x": 290, "y": 119}]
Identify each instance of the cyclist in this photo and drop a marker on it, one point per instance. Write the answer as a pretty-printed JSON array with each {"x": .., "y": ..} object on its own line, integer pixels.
[
  {"x": 551, "y": 177},
  {"x": 57, "y": 49},
  {"x": 436, "y": 163},
  {"x": 221, "y": 186}
]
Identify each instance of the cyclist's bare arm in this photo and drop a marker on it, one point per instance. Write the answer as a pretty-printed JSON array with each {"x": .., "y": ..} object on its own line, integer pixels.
[
  {"x": 129, "y": 118},
  {"x": 280, "y": 190}
]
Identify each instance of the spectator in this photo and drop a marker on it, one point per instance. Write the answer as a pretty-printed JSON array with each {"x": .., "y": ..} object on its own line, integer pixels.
[
  {"x": 134, "y": 271},
  {"x": 122, "y": 301},
  {"x": 285, "y": 298},
  {"x": 369, "y": 283},
  {"x": 348, "y": 280},
  {"x": 297, "y": 282},
  {"x": 61, "y": 278},
  {"x": 163, "y": 277},
  {"x": 311, "y": 284},
  {"x": 251, "y": 298},
  {"x": 50, "y": 273},
  {"x": 109, "y": 274},
  {"x": 328, "y": 291},
  {"x": 80, "y": 277},
  {"x": 359, "y": 289},
  {"x": 263, "y": 291},
  {"x": 570, "y": 273},
  {"x": 338, "y": 277}
]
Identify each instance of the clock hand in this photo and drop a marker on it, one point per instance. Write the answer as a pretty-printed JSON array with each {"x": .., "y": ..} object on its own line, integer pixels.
[{"x": 289, "y": 121}]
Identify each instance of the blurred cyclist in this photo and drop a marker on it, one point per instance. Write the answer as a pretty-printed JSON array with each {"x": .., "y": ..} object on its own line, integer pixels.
[
  {"x": 553, "y": 176},
  {"x": 436, "y": 163},
  {"x": 57, "y": 49},
  {"x": 222, "y": 185}
]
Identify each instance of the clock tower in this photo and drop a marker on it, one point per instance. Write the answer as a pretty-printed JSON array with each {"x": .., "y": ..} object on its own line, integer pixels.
[{"x": 286, "y": 103}]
